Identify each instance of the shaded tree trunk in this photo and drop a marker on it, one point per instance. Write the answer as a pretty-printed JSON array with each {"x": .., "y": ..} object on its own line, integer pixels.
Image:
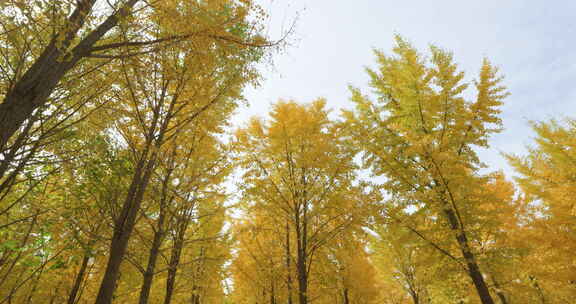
[
  {"x": 152, "y": 257},
  {"x": 301, "y": 262},
  {"x": 172, "y": 271},
  {"x": 78, "y": 280},
  {"x": 123, "y": 228},
  {"x": 272, "y": 293},
  {"x": 199, "y": 272},
  {"x": 345, "y": 296},
  {"x": 288, "y": 267},
  {"x": 175, "y": 261},
  {"x": 195, "y": 299},
  {"x": 471, "y": 263},
  {"x": 301, "y": 221},
  {"x": 37, "y": 84}
]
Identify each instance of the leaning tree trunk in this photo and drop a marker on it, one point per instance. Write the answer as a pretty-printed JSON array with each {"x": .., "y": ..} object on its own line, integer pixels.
[
  {"x": 78, "y": 280},
  {"x": 473, "y": 269},
  {"x": 34, "y": 88},
  {"x": 123, "y": 227},
  {"x": 165, "y": 201}
]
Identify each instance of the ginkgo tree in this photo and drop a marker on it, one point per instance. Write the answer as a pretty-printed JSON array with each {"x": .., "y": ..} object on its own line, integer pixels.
[
  {"x": 546, "y": 176},
  {"x": 261, "y": 269},
  {"x": 420, "y": 134},
  {"x": 115, "y": 159},
  {"x": 298, "y": 171},
  {"x": 52, "y": 42},
  {"x": 162, "y": 96},
  {"x": 60, "y": 63},
  {"x": 155, "y": 96}
]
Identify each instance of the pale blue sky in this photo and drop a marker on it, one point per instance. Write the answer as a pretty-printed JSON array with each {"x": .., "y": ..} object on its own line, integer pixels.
[{"x": 532, "y": 41}]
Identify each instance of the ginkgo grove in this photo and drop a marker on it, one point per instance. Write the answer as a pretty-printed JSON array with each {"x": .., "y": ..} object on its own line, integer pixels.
[{"x": 123, "y": 178}]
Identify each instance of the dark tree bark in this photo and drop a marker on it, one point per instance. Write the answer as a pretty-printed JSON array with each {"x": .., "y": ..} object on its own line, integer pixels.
[
  {"x": 172, "y": 271},
  {"x": 195, "y": 299},
  {"x": 288, "y": 266},
  {"x": 345, "y": 295},
  {"x": 301, "y": 261},
  {"x": 199, "y": 273},
  {"x": 152, "y": 257},
  {"x": 125, "y": 222},
  {"x": 123, "y": 227},
  {"x": 415, "y": 297},
  {"x": 36, "y": 85},
  {"x": 165, "y": 201},
  {"x": 78, "y": 280},
  {"x": 470, "y": 258},
  {"x": 272, "y": 292},
  {"x": 175, "y": 254}
]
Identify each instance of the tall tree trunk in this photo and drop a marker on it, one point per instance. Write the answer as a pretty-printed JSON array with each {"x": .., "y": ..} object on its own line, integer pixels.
[
  {"x": 195, "y": 299},
  {"x": 152, "y": 257},
  {"x": 174, "y": 262},
  {"x": 123, "y": 227},
  {"x": 37, "y": 84},
  {"x": 345, "y": 295},
  {"x": 78, "y": 280},
  {"x": 272, "y": 293},
  {"x": 172, "y": 271},
  {"x": 301, "y": 264},
  {"x": 473, "y": 269},
  {"x": 198, "y": 273},
  {"x": 288, "y": 267}
]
